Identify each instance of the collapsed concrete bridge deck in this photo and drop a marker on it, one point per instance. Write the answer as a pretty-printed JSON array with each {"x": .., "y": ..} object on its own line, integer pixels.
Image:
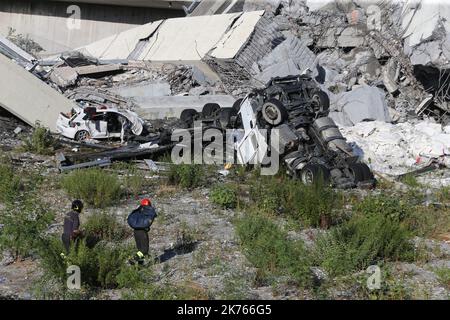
[
  {"x": 47, "y": 22},
  {"x": 28, "y": 97}
]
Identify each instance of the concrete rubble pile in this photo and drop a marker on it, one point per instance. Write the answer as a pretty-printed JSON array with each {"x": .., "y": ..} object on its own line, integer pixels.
[
  {"x": 383, "y": 64},
  {"x": 396, "y": 149}
]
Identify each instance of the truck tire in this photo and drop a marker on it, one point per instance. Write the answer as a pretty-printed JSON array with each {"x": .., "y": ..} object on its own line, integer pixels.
[
  {"x": 237, "y": 105},
  {"x": 360, "y": 172},
  {"x": 321, "y": 102},
  {"x": 187, "y": 116},
  {"x": 314, "y": 173},
  {"x": 210, "y": 109},
  {"x": 274, "y": 112},
  {"x": 225, "y": 115}
]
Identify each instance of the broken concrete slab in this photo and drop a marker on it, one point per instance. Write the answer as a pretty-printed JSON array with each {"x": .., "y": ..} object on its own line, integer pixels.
[
  {"x": 64, "y": 77},
  {"x": 201, "y": 77},
  {"x": 236, "y": 37},
  {"x": 212, "y": 7},
  {"x": 424, "y": 20},
  {"x": 364, "y": 103},
  {"x": 351, "y": 37},
  {"x": 190, "y": 38},
  {"x": 397, "y": 149},
  {"x": 120, "y": 46},
  {"x": 329, "y": 5},
  {"x": 99, "y": 71},
  {"x": 179, "y": 39},
  {"x": 28, "y": 98},
  {"x": 281, "y": 69},
  {"x": 144, "y": 90},
  {"x": 390, "y": 76},
  {"x": 290, "y": 52},
  {"x": 15, "y": 53},
  {"x": 432, "y": 53}
]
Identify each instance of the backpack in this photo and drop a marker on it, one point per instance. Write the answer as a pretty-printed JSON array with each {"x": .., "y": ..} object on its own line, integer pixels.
[{"x": 142, "y": 218}]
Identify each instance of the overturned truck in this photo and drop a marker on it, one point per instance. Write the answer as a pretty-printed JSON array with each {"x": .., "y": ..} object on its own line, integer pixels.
[{"x": 294, "y": 112}]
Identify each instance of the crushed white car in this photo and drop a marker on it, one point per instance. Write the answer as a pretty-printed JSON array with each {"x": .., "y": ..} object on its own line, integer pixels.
[{"x": 99, "y": 122}]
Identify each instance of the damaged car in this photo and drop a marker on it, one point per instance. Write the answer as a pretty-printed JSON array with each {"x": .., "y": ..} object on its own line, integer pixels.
[{"x": 99, "y": 122}]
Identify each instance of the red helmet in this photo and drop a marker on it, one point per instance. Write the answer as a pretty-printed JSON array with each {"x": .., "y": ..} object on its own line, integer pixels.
[{"x": 146, "y": 202}]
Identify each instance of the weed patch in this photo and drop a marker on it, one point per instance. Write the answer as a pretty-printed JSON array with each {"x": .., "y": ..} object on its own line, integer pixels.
[
  {"x": 315, "y": 206},
  {"x": 267, "y": 248},
  {"x": 186, "y": 176},
  {"x": 23, "y": 224},
  {"x": 376, "y": 232},
  {"x": 104, "y": 226},
  {"x": 41, "y": 142},
  {"x": 94, "y": 186},
  {"x": 225, "y": 195},
  {"x": 10, "y": 183}
]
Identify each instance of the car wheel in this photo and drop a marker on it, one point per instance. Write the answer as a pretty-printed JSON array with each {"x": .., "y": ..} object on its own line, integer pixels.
[
  {"x": 187, "y": 116},
  {"x": 360, "y": 172},
  {"x": 210, "y": 109},
  {"x": 314, "y": 173},
  {"x": 82, "y": 135},
  {"x": 274, "y": 112},
  {"x": 321, "y": 102}
]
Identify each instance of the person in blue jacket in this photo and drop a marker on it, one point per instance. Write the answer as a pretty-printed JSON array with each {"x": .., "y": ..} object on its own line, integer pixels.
[{"x": 140, "y": 220}]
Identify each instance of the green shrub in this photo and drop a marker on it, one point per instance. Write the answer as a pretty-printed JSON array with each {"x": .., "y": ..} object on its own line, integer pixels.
[
  {"x": 411, "y": 181},
  {"x": 267, "y": 248},
  {"x": 40, "y": 142},
  {"x": 266, "y": 193},
  {"x": 443, "y": 195},
  {"x": 95, "y": 186},
  {"x": 110, "y": 262},
  {"x": 152, "y": 292},
  {"x": 10, "y": 183},
  {"x": 392, "y": 286},
  {"x": 428, "y": 222},
  {"x": 134, "y": 181},
  {"x": 52, "y": 284},
  {"x": 166, "y": 291},
  {"x": 134, "y": 184},
  {"x": 100, "y": 265},
  {"x": 187, "y": 238},
  {"x": 225, "y": 195},
  {"x": 23, "y": 224},
  {"x": 187, "y": 176},
  {"x": 376, "y": 232},
  {"x": 105, "y": 226},
  {"x": 390, "y": 206},
  {"x": 443, "y": 275},
  {"x": 130, "y": 277},
  {"x": 314, "y": 205}
]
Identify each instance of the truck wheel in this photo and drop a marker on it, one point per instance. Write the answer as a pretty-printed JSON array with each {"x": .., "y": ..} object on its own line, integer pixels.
[
  {"x": 360, "y": 172},
  {"x": 225, "y": 115},
  {"x": 210, "y": 109},
  {"x": 314, "y": 173},
  {"x": 274, "y": 112},
  {"x": 237, "y": 105},
  {"x": 82, "y": 135},
  {"x": 321, "y": 102},
  {"x": 187, "y": 116}
]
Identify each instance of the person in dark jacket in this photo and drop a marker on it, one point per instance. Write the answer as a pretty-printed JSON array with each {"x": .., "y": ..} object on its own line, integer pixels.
[
  {"x": 141, "y": 220},
  {"x": 72, "y": 225}
]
